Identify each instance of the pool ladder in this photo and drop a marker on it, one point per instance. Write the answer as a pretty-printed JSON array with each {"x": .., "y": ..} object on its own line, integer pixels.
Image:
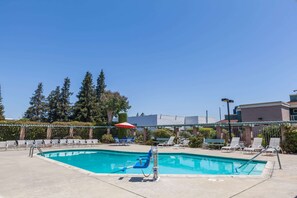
[
  {"x": 31, "y": 151},
  {"x": 278, "y": 159}
]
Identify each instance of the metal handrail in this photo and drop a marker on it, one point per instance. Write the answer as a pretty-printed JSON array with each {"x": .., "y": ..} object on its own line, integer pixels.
[
  {"x": 31, "y": 151},
  {"x": 278, "y": 159}
]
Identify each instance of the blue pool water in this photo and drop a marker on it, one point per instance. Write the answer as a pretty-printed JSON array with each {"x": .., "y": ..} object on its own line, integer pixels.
[{"x": 105, "y": 161}]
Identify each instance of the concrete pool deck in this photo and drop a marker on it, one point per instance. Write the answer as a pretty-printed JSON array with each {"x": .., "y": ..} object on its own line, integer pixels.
[{"x": 22, "y": 176}]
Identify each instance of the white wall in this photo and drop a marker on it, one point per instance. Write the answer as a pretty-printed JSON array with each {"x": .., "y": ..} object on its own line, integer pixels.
[
  {"x": 168, "y": 119},
  {"x": 159, "y": 119},
  {"x": 147, "y": 120}
]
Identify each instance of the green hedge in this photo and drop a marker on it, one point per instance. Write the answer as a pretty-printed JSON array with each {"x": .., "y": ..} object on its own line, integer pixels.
[
  {"x": 39, "y": 132},
  {"x": 9, "y": 133},
  {"x": 60, "y": 132},
  {"x": 33, "y": 133}
]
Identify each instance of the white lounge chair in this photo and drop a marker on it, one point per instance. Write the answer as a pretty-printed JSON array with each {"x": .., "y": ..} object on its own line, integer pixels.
[
  {"x": 21, "y": 143},
  {"x": 55, "y": 142},
  {"x": 38, "y": 143},
  {"x": 255, "y": 147},
  {"x": 184, "y": 143},
  {"x": 82, "y": 142},
  {"x": 47, "y": 143},
  {"x": 89, "y": 142},
  {"x": 70, "y": 142},
  {"x": 63, "y": 142},
  {"x": 95, "y": 141},
  {"x": 29, "y": 143},
  {"x": 11, "y": 144},
  {"x": 273, "y": 146},
  {"x": 76, "y": 142},
  {"x": 233, "y": 145},
  {"x": 3, "y": 145},
  {"x": 169, "y": 142}
]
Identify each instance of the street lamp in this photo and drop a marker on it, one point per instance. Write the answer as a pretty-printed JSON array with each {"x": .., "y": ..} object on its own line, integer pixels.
[{"x": 229, "y": 124}]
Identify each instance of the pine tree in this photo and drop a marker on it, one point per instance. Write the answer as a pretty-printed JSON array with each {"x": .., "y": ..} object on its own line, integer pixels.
[
  {"x": 1, "y": 107},
  {"x": 54, "y": 105},
  {"x": 100, "y": 89},
  {"x": 85, "y": 107},
  {"x": 65, "y": 100},
  {"x": 37, "y": 109}
]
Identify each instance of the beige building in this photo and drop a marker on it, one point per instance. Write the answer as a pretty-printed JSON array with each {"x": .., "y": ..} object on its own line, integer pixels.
[{"x": 268, "y": 111}]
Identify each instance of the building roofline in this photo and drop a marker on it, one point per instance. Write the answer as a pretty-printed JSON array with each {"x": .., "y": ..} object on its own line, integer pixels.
[{"x": 265, "y": 104}]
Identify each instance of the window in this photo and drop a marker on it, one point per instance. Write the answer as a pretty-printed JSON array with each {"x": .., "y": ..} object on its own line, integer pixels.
[{"x": 294, "y": 110}]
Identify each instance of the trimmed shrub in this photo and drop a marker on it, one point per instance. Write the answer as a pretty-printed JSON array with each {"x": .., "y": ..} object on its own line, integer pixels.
[
  {"x": 162, "y": 133},
  {"x": 149, "y": 142},
  {"x": 139, "y": 139},
  {"x": 185, "y": 134},
  {"x": 290, "y": 144},
  {"x": 208, "y": 133},
  {"x": 107, "y": 138},
  {"x": 196, "y": 141}
]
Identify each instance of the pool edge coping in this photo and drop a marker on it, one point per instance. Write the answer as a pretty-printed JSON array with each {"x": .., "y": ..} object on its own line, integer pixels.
[{"x": 266, "y": 173}]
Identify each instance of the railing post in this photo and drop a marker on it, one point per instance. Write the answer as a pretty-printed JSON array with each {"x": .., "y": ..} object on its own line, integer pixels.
[
  {"x": 176, "y": 131},
  {"x": 71, "y": 131},
  {"x": 219, "y": 132},
  {"x": 49, "y": 132},
  {"x": 91, "y": 133},
  {"x": 279, "y": 163},
  {"x": 283, "y": 130},
  {"x": 22, "y": 132},
  {"x": 247, "y": 135},
  {"x": 195, "y": 131},
  {"x": 144, "y": 135}
]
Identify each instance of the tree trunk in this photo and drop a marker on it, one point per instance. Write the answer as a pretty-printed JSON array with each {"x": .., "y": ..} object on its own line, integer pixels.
[{"x": 109, "y": 120}]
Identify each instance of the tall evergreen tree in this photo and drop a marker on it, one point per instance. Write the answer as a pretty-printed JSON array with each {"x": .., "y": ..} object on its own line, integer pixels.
[
  {"x": 54, "y": 105},
  {"x": 100, "y": 88},
  {"x": 1, "y": 107},
  {"x": 65, "y": 100},
  {"x": 37, "y": 109},
  {"x": 85, "y": 108}
]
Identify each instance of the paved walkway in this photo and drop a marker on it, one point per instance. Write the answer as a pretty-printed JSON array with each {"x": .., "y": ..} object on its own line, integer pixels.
[{"x": 22, "y": 176}]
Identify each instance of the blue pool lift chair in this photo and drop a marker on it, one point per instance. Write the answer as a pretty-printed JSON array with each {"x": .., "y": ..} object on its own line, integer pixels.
[{"x": 144, "y": 161}]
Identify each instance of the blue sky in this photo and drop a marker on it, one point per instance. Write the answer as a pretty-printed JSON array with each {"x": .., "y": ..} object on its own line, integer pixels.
[{"x": 177, "y": 57}]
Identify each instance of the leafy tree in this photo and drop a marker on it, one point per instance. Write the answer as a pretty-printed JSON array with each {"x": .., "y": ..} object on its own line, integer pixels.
[
  {"x": 85, "y": 107},
  {"x": 100, "y": 88},
  {"x": 64, "y": 101},
  {"x": 54, "y": 106},
  {"x": 1, "y": 107},
  {"x": 112, "y": 103},
  {"x": 37, "y": 109}
]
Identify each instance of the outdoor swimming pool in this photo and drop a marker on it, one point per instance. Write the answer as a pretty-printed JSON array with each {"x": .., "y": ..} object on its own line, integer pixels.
[{"x": 111, "y": 162}]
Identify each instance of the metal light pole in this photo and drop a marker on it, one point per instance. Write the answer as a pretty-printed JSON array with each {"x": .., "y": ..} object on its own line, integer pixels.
[{"x": 229, "y": 124}]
